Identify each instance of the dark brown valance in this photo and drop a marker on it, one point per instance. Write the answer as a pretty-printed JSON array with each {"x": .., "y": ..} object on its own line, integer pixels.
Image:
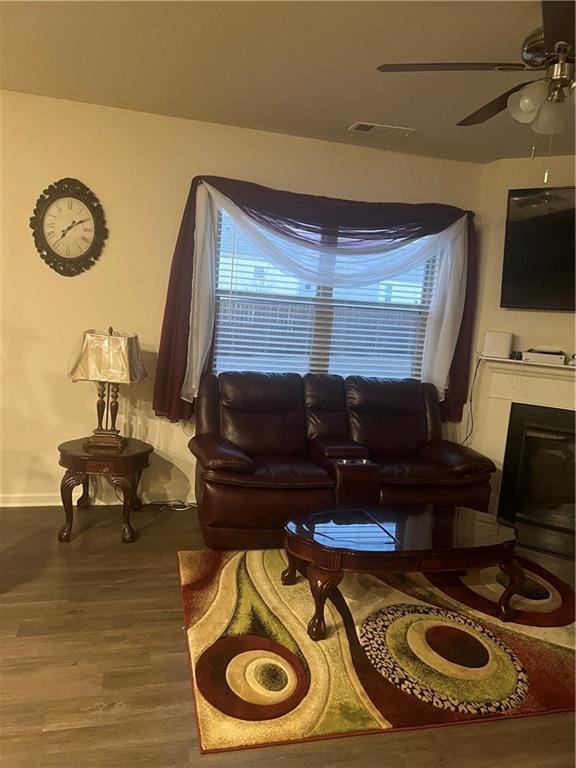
[{"x": 305, "y": 217}]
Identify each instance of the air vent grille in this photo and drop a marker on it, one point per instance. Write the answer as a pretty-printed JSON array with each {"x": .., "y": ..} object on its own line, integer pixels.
[
  {"x": 362, "y": 127},
  {"x": 398, "y": 130}
]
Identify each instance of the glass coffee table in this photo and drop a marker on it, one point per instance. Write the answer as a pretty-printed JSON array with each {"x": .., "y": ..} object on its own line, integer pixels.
[{"x": 326, "y": 544}]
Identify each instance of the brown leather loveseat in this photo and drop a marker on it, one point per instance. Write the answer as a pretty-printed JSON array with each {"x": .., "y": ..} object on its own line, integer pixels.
[{"x": 270, "y": 445}]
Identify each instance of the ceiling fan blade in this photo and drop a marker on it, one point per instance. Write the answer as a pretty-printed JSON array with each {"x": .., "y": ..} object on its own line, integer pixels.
[
  {"x": 492, "y": 108},
  {"x": 558, "y": 18},
  {"x": 472, "y": 67}
]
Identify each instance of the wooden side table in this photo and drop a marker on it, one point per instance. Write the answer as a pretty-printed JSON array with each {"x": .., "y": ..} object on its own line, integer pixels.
[{"x": 123, "y": 470}]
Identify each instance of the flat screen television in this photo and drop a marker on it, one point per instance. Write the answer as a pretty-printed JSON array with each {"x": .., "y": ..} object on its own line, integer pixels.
[{"x": 538, "y": 268}]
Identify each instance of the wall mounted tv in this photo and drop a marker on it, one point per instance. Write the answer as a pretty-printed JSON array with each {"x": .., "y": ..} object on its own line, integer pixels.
[{"x": 538, "y": 268}]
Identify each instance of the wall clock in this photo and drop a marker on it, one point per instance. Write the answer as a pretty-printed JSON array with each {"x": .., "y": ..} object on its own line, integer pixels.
[{"x": 69, "y": 227}]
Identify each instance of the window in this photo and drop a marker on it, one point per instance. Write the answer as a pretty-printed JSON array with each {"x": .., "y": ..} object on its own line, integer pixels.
[{"x": 269, "y": 321}]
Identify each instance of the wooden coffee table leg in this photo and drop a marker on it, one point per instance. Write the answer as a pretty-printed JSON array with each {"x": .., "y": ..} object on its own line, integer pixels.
[
  {"x": 290, "y": 574},
  {"x": 516, "y": 575},
  {"x": 321, "y": 584}
]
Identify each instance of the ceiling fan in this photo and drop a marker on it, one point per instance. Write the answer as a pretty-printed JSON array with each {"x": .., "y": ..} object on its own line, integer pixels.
[{"x": 549, "y": 49}]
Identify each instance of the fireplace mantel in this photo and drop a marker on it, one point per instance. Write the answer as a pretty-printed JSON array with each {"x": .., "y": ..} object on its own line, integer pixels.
[
  {"x": 532, "y": 370},
  {"x": 518, "y": 382}
]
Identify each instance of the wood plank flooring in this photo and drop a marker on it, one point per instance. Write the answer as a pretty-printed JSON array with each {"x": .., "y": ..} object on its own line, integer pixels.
[{"x": 94, "y": 670}]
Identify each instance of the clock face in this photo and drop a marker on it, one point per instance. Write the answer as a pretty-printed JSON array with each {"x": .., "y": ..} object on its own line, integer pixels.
[{"x": 68, "y": 227}]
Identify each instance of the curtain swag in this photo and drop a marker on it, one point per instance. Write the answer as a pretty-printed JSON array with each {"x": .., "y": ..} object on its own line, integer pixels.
[{"x": 368, "y": 242}]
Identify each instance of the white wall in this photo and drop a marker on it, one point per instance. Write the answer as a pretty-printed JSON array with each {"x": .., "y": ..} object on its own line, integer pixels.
[{"x": 140, "y": 167}]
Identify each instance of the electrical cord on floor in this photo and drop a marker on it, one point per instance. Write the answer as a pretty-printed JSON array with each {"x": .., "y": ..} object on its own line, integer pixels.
[
  {"x": 470, "y": 416},
  {"x": 177, "y": 505}
]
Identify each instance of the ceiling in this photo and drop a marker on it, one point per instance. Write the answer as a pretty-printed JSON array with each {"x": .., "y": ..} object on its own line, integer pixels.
[{"x": 301, "y": 68}]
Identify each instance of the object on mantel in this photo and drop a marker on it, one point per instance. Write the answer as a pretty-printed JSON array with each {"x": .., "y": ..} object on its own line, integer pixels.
[
  {"x": 497, "y": 344},
  {"x": 548, "y": 357},
  {"x": 110, "y": 358},
  {"x": 519, "y": 362}
]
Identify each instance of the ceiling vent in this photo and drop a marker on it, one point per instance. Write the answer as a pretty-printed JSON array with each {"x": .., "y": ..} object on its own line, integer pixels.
[{"x": 394, "y": 130}]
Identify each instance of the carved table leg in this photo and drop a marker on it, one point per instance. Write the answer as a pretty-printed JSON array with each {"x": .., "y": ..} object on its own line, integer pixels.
[
  {"x": 516, "y": 575},
  {"x": 126, "y": 484},
  {"x": 84, "y": 500},
  {"x": 321, "y": 584},
  {"x": 290, "y": 574},
  {"x": 69, "y": 482}
]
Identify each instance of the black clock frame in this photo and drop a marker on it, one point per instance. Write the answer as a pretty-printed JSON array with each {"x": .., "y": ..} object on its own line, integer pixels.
[{"x": 76, "y": 189}]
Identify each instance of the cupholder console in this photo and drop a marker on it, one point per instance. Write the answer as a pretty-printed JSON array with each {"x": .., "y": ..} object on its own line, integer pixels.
[{"x": 357, "y": 482}]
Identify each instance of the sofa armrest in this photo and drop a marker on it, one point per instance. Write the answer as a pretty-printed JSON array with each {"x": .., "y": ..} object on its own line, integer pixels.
[
  {"x": 455, "y": 457},
  {"x": 338, "y": 448},
  {"x": 215, "y": 452}
]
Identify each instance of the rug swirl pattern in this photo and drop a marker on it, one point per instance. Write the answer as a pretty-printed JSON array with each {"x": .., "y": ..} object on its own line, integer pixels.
[{"x": 400, "y": 652}]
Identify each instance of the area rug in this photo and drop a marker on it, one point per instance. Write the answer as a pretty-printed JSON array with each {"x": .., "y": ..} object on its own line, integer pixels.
[{"x": 403, "y": 651}]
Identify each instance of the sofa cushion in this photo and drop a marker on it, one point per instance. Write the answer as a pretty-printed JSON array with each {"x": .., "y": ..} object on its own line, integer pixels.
[
  {"x": 248, "y": 391},
  {"x": 206, "y": 410},
  {"x": 273, "y": 471},
  {"x": 337, "y": 448},
  {"x": 325, "y": 405},
  {"x": 263, "y": 413},
  {"x": 386, "y": 415},
  {"x": 418, "y": 471},
  {"x": 455, "y": 457}
]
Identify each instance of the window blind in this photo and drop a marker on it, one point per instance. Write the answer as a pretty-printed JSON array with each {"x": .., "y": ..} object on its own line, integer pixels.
[{"x": 269, "y": 321}]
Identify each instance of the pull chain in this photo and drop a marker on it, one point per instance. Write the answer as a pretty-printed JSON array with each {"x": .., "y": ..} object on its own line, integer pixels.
[
  {"x": 546, "y": 172},
  {"x": 533, "y": 155}
]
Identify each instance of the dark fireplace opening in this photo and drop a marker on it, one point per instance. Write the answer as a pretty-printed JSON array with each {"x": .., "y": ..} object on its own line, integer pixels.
[{"x": 537, "y": 492}]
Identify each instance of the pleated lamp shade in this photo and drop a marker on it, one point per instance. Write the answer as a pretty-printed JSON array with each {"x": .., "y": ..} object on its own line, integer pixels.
[{"x": 112, "y": 357}]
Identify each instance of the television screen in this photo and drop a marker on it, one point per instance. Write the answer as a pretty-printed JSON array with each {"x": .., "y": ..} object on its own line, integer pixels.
[{"x": 538, "y": 268}]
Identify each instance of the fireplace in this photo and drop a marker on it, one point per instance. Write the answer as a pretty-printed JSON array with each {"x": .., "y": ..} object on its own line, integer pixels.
[{"x": 537, "y": 491}]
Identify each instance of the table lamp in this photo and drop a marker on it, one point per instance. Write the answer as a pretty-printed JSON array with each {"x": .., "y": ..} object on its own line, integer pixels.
[{"x": 111, "y": 358}]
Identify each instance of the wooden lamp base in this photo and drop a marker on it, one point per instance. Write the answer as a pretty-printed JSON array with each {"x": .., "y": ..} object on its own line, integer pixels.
[{"x": 105, "y": 441}]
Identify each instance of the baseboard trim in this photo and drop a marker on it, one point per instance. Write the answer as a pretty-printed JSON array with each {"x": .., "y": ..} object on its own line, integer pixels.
[
  {"x": 54, "y": 500},
  {"x": 30, "y": 499}
]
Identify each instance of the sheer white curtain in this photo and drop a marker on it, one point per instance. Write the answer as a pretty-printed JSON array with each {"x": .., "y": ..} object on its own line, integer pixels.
[{"x": 352, "y": 265}]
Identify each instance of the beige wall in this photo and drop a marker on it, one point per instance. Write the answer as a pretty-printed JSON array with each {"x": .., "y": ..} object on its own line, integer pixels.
[
  {"x": 531, "y": 329},
  {"x": 140, "y": 167}
]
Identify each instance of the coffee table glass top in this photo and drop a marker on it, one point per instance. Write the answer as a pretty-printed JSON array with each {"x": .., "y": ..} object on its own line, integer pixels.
[{"x": 401, "y": 529}]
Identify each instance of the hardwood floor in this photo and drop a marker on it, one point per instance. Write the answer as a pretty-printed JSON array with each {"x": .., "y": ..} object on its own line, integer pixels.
[{"x": 94, "y": 671}]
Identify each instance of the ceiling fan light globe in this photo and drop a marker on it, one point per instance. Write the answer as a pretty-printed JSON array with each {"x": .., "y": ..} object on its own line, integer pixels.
[
  {"x": 551, "y": 119},
  {"x": 526, "y": 104},
  {"x": 533, "y": 96},
  {"x": 519, "y": 114}
]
